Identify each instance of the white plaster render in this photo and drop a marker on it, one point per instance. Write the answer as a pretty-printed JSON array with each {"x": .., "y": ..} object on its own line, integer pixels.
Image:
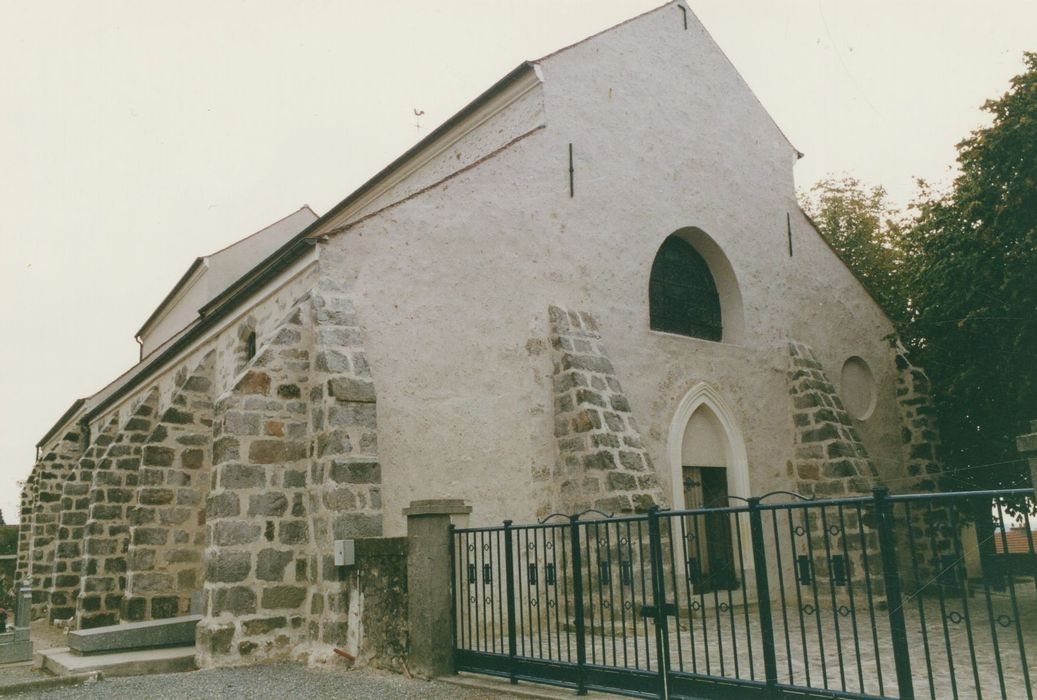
[
  {"x": 518, "y": 108},
  {"x": 453, "y": 285}
]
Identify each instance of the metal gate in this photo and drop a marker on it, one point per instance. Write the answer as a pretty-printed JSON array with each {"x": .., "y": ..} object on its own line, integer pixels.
[{"x": 865, "y": 597}]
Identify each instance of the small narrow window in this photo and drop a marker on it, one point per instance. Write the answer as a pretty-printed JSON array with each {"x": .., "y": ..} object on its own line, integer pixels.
[
  {"x": 250, "y": 346},
  {"x": 682, "y": 296}
]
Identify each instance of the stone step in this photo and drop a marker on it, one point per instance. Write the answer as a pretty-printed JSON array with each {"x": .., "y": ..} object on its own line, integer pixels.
[
  {"x": 63, "y": 662},
  {"x": 153, "y": 634}
]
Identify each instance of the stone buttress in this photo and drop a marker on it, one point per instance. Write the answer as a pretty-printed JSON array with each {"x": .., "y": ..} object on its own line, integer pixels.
[
  {"x": 294, "y": 467},
  {"x": 75, "y": 510},
  {"x": 345, "y": 476},
  {"x": 113, "y": 494},
  {"x": 602, "y": 461},
  {"x": 26, "y": 512},
  {"x": 919, "y": 431},
  {"x": 167, "y": 522},
  {"x": 50, "y": 474},
  {"x": 830, "y": 462},
  {"x": 931, "y": 548},
  {"x": 831, "y": 459}
]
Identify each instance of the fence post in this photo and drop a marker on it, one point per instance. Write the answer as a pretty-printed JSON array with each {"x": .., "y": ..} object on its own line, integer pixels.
[
  {"x": 662, "y": 637},
  {"x": 763, "y": 596},
  {"x": 430, "y": 605},
  {"x": 453, "y": 595},
  {"x": 509, "y": 572},
  {"x": 581, "y": 651},
  {"x": 894, "y": 602}
]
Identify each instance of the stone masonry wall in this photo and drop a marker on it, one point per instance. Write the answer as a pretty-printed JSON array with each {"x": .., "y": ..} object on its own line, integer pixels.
[
  {"x": 931, "y": 548},
  {"x": 831, "y": 459},
  {"x": 75, "y": 510},
  {"x": 920, "y": 434},
  {"x": 345, "y": 476},
  {"x": 381, "y": 565},
  {"x": 26, "y": 511},
  {"x": 257, "y": 535},
  {"x": 167, "y": 536},
  {"x": 294, "y": 467},
  {"x": 602, "y": 461},
  {"x": 54, "y": 467},
  {"x": 830, "y": 462},
  {"x": 112, "y": 496},
  {"x": 240, "y": 497}
]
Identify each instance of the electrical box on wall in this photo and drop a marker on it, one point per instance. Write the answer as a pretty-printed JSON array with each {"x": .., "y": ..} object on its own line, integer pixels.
[{"x": 344, "y": 553}]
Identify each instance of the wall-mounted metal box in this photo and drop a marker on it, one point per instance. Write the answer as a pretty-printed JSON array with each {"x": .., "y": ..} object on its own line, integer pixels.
[{"x": 345, "y": 554}]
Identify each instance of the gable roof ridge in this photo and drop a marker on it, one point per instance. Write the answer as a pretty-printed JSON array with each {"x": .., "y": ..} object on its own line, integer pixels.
[
  {"x": 683, "y": 4},
  {"x": 604, "y": 31}
]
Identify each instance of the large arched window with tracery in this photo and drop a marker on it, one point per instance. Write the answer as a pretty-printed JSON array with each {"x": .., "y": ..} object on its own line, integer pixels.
[{"x": 682, "y": 296}]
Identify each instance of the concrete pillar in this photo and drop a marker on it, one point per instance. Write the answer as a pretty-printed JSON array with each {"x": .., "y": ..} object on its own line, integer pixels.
[{"x": 428, "y": 583}]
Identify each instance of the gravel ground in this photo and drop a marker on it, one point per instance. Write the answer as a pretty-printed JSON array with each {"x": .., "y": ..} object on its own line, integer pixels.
[
  {"x": 275, "y": 682},
  {"x": 19, "y": 673}
]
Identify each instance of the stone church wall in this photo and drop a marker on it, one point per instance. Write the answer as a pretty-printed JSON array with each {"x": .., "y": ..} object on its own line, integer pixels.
[
  {"x": 232, "y": 487},
  {"x": 75, "y": 511},
  {"x": 26, "y": 520},
  {"x": 453, "y": 345},
  {"x": 602, "y": 461},
  {"x": 168, "y": 518},
  {"x": 831, "y": 460},
  {"x": 294, "y": 467},
  {"x": 464, "y": 356},
  {"x": 113, "y": 495},
  {"x": 50, "y": 474}
]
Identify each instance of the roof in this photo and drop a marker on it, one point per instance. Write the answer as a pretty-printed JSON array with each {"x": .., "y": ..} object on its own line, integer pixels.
[
  {"x": 1018, "y": 540},
  {"x": 304, "y": 215}
]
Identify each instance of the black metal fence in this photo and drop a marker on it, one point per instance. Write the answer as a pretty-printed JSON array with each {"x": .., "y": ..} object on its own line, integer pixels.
[{"x": 871, "y": 597}]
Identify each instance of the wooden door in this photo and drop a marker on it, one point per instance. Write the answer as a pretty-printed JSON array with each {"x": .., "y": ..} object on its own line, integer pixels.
[{"x": 713, "y": 567}]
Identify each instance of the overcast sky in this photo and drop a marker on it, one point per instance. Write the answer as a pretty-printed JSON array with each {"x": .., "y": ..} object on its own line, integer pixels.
[{"x": 137, "y": 135}]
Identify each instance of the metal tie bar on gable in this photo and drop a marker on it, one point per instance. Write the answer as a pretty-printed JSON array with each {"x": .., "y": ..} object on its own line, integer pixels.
[
  {"x": 571, "y": 184},
  {"x": 788, "y": 225}
]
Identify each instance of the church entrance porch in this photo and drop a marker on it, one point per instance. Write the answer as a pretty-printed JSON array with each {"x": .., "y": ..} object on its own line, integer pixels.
[{"x": 842, "y": 606}]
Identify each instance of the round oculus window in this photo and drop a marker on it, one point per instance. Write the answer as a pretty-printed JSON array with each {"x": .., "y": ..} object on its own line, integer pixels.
[{"x": 857, "y": 388}]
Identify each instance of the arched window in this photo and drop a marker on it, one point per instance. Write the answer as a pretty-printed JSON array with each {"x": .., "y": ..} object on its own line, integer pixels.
[
  {"x": 247, "y": 343},
  {"x": 682, "y": 296}
]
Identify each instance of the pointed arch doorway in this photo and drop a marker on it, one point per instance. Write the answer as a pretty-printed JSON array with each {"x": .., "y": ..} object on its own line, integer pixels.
[{"x": 708, "y": 465}]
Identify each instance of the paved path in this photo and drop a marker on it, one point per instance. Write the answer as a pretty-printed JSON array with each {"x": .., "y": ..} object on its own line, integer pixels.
[
  {"x": 823, "y": 648},
  {"x": 273, "y": 682}
]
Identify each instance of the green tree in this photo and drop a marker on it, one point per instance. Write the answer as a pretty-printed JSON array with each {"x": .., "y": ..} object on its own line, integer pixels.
[
  {"x": 867, "y": 233},
  {"x": 971, "y": 267}
]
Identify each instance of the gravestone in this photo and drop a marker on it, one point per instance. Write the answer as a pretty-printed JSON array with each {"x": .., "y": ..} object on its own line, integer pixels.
[{"x": 15, "y": 644}]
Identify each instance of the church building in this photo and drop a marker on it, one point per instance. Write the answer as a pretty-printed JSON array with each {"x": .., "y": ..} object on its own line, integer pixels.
[{"x": 591, "y": 288}]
